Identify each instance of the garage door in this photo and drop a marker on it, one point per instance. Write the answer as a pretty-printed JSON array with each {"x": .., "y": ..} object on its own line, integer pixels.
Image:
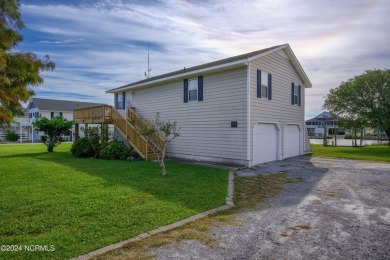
[
  {"x": 265, "y": 143},
  {"x": 291, "y": 141}
]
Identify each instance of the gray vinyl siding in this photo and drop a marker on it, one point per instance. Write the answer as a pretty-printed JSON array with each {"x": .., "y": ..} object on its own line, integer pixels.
[
  {"x": 205, "y": 125},
  {"x": 307, "y": 148},
  {"x": 279, "y": 109}
]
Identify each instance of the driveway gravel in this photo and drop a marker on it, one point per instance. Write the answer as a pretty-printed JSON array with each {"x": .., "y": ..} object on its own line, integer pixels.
[{"x": 341, "y": 210}]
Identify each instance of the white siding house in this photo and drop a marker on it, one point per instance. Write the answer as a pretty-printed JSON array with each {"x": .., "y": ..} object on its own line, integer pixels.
[
  {"x": 20, "y": 126},
  {"x": 244, "y": 110},
  {"x": 50, "y": 108}
]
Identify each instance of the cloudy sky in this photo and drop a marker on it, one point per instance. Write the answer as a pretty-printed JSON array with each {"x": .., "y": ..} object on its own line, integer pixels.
[{"x": 102, "y": 44}]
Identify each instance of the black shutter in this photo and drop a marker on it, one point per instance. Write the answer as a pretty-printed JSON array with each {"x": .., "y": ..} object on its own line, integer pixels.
[
  {"x": 259, "y": 83},
  {"x": 200, "y": 88},
  {"x": 269, "y": 86},
  {"x": 116, "y": 100},
  {"x": 186, "y": 91},
  {"x": 51, "y": 115},
  {"x": 299, "y": 95},
  {"x": 292, "y": 93},
  {"x": 124, "y": 100},
  {"x": 60, "y": 113}
]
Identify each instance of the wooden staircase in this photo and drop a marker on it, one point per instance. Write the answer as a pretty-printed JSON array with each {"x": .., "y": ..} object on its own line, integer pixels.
[{"x": 131, "y": 128}]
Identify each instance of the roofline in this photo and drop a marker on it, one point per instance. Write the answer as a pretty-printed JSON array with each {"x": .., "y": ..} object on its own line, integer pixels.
[
  {"x": 290, "y": 54},
  {"x": 183, "y": 75},
  {"x": 298, "y": 66}
]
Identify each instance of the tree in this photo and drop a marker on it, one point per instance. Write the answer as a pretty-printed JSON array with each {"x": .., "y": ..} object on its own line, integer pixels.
[
  {"x": 152, "y": 131},
  {"x": 53, "y": 129},
  {"x": 363, "y": 100},
  {"x": 18, "y": 70}
]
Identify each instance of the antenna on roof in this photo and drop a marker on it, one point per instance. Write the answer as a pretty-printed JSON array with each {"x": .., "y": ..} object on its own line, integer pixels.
[{"x": 147, "y": 73}]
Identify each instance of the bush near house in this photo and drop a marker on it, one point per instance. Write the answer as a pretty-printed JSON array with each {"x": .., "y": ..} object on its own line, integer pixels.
[
  {"x": 115, "y": 150},
  {"x": 82, "y": 147},
  {"x": 11, "y": 136}
]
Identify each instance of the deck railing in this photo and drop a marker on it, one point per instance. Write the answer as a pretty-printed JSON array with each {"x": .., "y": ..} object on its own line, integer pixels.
[
  {"x": 142, "y": 125},
  {"x": 91, "y": 115},
  {"x": 133, "y": 136},
  {"x": 130, "y": 128}
]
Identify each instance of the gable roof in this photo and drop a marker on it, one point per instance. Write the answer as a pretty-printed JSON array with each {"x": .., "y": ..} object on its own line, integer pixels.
[
  {"x": 60, "y": 105},
  {"x": 324, "y": 116},
  {"x": 228, "y": 62}
]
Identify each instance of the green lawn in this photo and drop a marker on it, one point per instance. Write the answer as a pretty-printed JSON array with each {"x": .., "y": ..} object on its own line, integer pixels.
[
  {"x": 368, "y": 153},
  {"x": 79, "y": 205}
]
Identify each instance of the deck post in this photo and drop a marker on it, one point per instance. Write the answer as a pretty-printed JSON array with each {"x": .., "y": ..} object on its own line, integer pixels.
[
  {"x": 146, "y": 151},
  {"x": 76, "y": 131}
]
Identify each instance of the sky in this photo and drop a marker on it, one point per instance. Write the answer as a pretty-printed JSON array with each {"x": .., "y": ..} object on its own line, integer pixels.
[{"x": 98, "y": 45}]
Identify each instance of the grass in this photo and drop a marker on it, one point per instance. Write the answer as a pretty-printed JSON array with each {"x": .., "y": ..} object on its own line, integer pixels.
[
  {"x": 79, "y": 205},
  {"x": 249, "y": 194},
  {"x": 368, "y": 153}
]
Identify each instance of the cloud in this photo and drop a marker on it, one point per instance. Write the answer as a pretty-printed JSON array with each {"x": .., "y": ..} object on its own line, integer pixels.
[{"x": 99, "y": 45}]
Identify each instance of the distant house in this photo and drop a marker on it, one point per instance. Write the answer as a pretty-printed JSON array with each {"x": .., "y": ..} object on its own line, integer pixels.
[
  {"x": 244, "y": 110},
  {"x": 20, "y": 126},
  {"x": 317, "y": 125},
  {"x": 50, "y": 108}
]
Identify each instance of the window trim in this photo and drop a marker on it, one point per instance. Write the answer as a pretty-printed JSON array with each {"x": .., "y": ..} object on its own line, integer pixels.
[
  {"x": 295, "y": 94},
  {"x": 195, "y": 86},
  {"x": 264, "y": 79},
  {"x": 264, "y": 84}
]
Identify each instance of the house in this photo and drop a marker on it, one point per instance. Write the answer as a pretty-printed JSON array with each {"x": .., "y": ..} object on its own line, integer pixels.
[
  {"x": 51, "y": 108},
  {"x": 317, "y": 125},
  {"x": 20, "y": 126},
  {"x": 243, "y": 110}
]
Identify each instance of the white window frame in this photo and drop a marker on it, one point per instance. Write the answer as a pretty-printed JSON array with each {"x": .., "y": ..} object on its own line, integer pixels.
[
  {"x": 296, "y": 94},
  {"x": 193, "y": 86},
  {"x": 120, "y": 104},
  {"x": 264, "y": 84}
]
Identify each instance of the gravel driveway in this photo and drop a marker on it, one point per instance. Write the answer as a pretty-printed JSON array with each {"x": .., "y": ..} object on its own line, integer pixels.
[{"x": 340, "y": 211}]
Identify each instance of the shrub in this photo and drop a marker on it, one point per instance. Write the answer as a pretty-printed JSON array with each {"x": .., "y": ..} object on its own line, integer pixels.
[
  {"x": 115, "y": 150},
  {"x": 11, "y": 136},
  {"x": 82, "y": 147}
]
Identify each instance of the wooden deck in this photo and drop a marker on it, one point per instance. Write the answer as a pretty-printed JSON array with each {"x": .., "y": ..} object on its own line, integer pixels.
[
  {"x": 93, "y": 115},
  {"x": 131, "y": 128}
]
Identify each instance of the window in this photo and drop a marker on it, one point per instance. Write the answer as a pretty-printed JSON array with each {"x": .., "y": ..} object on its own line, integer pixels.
[
  {"x": 53, "y": 114},
  {"x": 120, "y": 104},
  {"x": 120, "y": 100},
  {"x": 295, "y": 94},
  {"x": 264, "y": 85},
  {"x": 308, "y": 123},
  {"x": 192, "y": 89}
]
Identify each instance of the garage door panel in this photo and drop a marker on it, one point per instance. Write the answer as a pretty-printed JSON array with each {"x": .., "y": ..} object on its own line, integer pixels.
[
  {"x": 291, "y": 141},
  {"x": 265, "y": 143}
]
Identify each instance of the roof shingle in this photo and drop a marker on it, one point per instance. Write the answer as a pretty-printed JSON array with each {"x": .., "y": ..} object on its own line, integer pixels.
[
  {"x": 199, "y": 67},
  {"x": 61, "y": 105}
]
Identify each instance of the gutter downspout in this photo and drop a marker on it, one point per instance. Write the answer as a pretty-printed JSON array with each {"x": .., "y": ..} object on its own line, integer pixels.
[{"x": 248, "y": 115}]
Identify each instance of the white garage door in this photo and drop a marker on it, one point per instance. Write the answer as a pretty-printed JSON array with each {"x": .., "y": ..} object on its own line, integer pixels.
[
  {"x": 265, "y": 143},
  {"x": 291, "y": 141}
]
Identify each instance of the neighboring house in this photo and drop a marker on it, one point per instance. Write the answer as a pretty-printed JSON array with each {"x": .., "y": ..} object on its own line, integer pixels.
[
  {"x": 244, "y": 110},
  {"x": 20, "y": 126},
  {"x": 50, "y": 108},
  {"x": 317, "y": 125}
]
